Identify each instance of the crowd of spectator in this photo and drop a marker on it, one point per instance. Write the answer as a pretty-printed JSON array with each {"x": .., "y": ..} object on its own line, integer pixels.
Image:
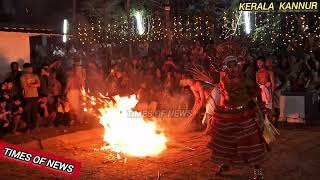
[{"x": 48, "y": 94}]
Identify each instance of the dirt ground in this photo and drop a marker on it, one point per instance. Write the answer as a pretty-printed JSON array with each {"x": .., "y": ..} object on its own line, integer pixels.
[{"x": 295, "y": 156}]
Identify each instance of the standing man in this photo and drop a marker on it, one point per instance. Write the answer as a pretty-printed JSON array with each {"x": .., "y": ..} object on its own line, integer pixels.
[
  {"x": 44, "y": 81},
  {"x": 277, "y": 90},
  {"x": 75, "y": 83},
  {"x": 30, "y": 84},
  {"x": 265, "y": 80},
  {"x": 199, "y": 96}
]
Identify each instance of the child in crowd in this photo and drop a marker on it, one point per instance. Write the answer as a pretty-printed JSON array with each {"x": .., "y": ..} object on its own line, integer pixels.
[
  {"x": 15, "y": 107},
  {"x": 6, "y": 97},
  {"x": 6, "y": 91}
]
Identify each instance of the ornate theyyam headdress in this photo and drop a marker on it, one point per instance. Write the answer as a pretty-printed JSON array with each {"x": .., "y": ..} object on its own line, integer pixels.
[
  {"x": 228, "y": 51},
  {"x": 230, "y": 59}
]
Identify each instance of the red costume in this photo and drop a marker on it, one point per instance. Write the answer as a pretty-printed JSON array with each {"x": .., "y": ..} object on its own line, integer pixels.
[{"x": 236, "y": 131}]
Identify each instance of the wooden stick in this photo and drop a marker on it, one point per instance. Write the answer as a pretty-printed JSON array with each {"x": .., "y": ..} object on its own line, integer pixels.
[
  {"x": 181, "y": 146},
  {"x": 186, "y": 147}
]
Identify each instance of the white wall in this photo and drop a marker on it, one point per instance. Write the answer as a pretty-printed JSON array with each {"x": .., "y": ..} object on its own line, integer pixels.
[{"x": 13, "y": 47}]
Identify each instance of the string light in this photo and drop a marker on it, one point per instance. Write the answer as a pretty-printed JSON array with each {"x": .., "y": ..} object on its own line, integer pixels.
[{"x": 279, "y": 28}]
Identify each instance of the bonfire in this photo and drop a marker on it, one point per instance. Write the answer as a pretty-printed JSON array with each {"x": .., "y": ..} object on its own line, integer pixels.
[{"x": 124, "y": 134}]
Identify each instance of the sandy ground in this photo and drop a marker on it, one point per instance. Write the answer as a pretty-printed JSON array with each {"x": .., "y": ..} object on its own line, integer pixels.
[{"x": 295, "y": 156}]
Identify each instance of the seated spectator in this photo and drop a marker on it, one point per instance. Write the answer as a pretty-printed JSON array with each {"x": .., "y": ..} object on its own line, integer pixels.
[
  {"x": 7, "y": 88},
  {"x": 4, "y": 122},
  {"x": 15, "y": 107},
  {"x": 6, "y": 97}
]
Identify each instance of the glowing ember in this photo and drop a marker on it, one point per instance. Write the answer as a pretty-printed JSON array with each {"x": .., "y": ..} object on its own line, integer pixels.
[{"x": 132, "y": 136}]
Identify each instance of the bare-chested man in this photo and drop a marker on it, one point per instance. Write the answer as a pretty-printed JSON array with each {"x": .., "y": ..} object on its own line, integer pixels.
[
  {"x": 199, "y": 94},
  {"x": 276, "y": 92},
  {"x": 265, "y": 79},
  {"x": 75, "y": 83}
]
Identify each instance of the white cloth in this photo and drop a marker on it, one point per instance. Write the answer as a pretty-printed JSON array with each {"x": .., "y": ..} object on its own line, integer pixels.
[
  {"x": 266, "y": 95},
  {"x": 212, "y": 101}
]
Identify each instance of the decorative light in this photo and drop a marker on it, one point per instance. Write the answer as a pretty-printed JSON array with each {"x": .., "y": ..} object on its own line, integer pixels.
[
  {"x": 246, "y": 16},
  {"x": 140, "y": 23},
  {"x": 65, "y": 30}
]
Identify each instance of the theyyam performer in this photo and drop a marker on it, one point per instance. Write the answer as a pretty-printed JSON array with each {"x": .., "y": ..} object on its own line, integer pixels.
[{"x": 236, "y": 130}]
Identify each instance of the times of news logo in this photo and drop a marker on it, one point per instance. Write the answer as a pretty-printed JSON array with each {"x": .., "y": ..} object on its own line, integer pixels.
[
  {"x": 292, "y": 6},
  {"x": 171, "y": 113}
]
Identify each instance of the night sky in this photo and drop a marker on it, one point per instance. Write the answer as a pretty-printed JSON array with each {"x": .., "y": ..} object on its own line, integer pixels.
[
  {"x": 36, "y": 13},
  {"x": 50, "y": 13}
]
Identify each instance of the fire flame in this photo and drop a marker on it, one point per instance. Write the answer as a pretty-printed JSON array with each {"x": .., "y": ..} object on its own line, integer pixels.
[{"x": 131, "y": 136}]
